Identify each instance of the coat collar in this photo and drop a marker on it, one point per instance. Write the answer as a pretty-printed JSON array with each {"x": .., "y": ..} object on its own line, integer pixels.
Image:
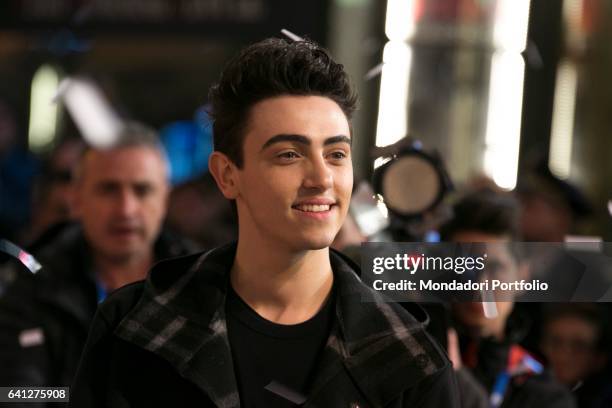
[
  {"x": 67, "y": 281},
  {"x": 181, "y": 317}
]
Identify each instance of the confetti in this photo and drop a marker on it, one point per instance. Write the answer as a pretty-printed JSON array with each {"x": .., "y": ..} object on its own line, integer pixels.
[{"x": 291, "y": 35}]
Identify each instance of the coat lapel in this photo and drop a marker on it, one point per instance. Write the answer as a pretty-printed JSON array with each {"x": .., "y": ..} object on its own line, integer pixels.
[
  {"x": 375, "y": 345},
  {"x": 181, "y": 318}
]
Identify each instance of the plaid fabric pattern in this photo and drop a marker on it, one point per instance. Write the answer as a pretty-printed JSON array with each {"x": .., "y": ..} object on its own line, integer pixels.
[{"x": 181, "y": 317}]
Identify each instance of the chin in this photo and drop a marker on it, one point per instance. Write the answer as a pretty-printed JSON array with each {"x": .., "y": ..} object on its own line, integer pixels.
[
  {"x": 318, "y": 246},
  {"x": 125, "y": 252},
  {"x": 315, "y": 243}
]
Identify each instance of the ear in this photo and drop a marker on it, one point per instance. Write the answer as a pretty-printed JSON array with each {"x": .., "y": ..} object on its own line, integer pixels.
[{"x": 225, "y": 173}]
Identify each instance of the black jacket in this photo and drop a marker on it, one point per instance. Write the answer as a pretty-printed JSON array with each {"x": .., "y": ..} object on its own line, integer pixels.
[
  {"x": 164, "y": 343},
  {"x": 45, "y": 318}
]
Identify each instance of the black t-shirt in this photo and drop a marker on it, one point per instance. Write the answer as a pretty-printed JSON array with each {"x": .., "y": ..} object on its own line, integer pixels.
[{"x": 272, "y": 359}]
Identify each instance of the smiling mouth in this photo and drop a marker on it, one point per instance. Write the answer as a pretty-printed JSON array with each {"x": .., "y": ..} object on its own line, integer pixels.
[{"x": 313, "y": 208}]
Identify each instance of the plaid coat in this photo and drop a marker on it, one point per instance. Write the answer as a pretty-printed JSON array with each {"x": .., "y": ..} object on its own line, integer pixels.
[{"x": 165, "y": 343}]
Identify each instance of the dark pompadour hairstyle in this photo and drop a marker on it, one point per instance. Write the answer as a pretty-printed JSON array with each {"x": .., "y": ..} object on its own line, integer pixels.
[
  {"x": 484, "y": 211},
  {"x": 270, "y": 68}
]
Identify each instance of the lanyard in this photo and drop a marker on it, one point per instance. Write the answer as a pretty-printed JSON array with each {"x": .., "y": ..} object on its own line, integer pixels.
[{"x": 519, "y": 362}]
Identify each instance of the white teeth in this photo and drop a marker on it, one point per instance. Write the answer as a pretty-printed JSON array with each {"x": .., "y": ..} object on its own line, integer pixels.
[{"x": 313, "y": 208}]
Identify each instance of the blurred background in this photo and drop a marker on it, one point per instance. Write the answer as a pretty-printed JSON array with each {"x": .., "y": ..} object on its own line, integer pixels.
[
  {"x": 513, "y": 97},
  {"x": 516, "y": 92}
]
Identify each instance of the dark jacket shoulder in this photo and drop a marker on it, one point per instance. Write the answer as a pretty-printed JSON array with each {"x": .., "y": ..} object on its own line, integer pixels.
[{"x": 119, "y": 302}]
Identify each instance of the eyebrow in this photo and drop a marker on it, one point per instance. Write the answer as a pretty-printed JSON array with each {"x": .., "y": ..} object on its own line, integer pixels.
[{"x": 304, "y": 140}]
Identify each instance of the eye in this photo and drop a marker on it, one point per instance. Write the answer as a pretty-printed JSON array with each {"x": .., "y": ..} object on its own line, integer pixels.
[
  {"x": 142, "y": 190},
  {"x": 288, "y": 156},
  {"x": 338, "y": 155},
  {"x": 106, "y": 189}
]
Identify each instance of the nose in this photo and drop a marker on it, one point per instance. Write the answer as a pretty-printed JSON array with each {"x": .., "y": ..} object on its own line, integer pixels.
[
  {"x": 128, "y": 203},
  {"x": 319, "y": 175}
]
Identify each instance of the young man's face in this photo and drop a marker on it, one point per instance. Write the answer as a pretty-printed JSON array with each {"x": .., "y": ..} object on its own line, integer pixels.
[
  {"x": 120, "y": 199},
  {"x": 295, "y": 184}
]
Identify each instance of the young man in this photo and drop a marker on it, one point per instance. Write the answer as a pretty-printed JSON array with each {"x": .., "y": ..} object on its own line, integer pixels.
[{"x": 276, "y": 320}]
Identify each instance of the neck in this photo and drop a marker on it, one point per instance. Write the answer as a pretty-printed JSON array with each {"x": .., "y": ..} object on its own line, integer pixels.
[
  {"x": 114, "y": 273},
  {"x": 282, "y": 286}
]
